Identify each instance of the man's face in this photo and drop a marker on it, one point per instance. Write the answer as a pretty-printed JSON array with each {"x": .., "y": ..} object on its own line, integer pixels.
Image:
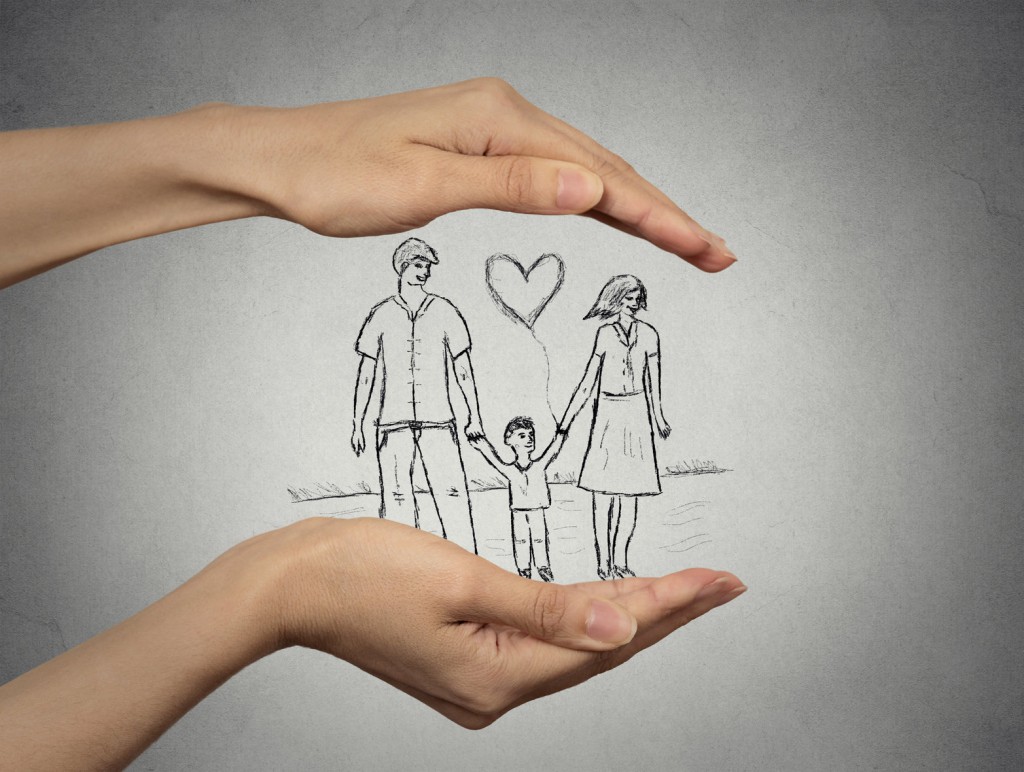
[
  {"x": 521, "y": 439},
  {"x": 416, "y": 272}
]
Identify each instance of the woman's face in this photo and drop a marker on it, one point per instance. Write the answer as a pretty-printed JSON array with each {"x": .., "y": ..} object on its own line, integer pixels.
[{"x": 631, "y": 302}]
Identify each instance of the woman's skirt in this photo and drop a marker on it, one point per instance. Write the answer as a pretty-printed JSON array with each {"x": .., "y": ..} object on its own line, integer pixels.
[{"x": 620, "y": 457}]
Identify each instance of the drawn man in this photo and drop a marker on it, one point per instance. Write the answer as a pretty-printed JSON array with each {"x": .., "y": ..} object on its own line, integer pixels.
[{"x": 411, "y": 341}]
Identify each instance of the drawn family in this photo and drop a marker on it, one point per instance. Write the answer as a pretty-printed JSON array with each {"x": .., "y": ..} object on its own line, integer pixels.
[{"x": 411, "y": 342}]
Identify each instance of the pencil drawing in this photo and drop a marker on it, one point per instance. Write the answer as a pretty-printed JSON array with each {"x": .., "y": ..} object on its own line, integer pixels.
[
  {"x": 410, "y": 341},
  {"x": 623, "y": 381}
]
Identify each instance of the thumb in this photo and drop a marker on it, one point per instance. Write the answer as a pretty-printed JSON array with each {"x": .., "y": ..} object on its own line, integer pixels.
[
  {"x": 561, "y": 615},
  {"x": 514, "y": 183}
]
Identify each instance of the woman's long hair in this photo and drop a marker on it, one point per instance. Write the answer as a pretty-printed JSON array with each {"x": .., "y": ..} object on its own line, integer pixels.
[{"x": 609, "y": 301}]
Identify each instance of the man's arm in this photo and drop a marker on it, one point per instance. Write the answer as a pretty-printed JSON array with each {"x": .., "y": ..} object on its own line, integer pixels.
[
  {"x": 364, "y": 388},
  {"x": 463, "y": 366}
]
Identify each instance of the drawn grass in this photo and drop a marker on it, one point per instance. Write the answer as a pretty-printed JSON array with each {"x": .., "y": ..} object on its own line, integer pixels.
[{"x": 328, "y": 490}]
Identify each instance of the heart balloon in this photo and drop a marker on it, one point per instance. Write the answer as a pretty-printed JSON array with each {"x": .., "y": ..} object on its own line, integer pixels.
[{"x": 521, "y": 293}]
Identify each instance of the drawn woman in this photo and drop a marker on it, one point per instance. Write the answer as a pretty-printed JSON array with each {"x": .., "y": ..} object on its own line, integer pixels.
[{"x": 620, "y": 463}]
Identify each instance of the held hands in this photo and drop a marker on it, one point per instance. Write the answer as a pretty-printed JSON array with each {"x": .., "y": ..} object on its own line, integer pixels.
[
  {"x": 450, "y": 628},
  {"x": 474, "y": 431}
]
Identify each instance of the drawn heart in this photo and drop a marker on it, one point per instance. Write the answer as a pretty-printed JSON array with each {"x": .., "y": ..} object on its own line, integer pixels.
[{"x": 520, "y": 293}]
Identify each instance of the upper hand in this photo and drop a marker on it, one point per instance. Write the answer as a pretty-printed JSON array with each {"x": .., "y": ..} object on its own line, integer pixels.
[
  {"x": 450, "y": 628},
  {"x": 393, "y": 163}
]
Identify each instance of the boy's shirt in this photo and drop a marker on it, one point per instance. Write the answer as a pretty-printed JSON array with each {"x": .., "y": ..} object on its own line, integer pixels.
[{"x": 527, "y": 487}]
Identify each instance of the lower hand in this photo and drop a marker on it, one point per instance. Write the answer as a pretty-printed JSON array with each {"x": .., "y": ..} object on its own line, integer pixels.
[
  {"x": 664, "y": 430},
  {"x": 450, "y": 628}
]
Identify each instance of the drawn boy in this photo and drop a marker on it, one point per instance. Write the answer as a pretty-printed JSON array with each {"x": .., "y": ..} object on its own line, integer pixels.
[{"x": 529, "y": 495}]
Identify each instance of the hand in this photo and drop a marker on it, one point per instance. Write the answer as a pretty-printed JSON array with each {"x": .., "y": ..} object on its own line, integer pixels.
[
  {"x": 358, "y": 439},
  {"x": 360, "y": 168},
  {"x": 664, "y": 430},
  {"x": 451, "y": 629},
  {"x": 393, "y": 163},
  {"x": 474, "y": 430}
]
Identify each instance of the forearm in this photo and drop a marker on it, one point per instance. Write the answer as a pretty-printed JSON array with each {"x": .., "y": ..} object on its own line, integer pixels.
[
  {"x": 99, "y": 705},
  {"x": 364, "y": 388},
  {"x": 580, "y": 397},
  {"x": 653, "y": 384},
  {"x": 70, "y": 191},
  {"x": 467, "y": 384}
]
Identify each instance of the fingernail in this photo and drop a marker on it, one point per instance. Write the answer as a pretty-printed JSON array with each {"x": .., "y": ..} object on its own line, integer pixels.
[
  {"x": 731, "y": 595},
  {"x": 608, "y": 623},
  {"x": 577, "y": 190},
  {"x": 712, "y": 588}
]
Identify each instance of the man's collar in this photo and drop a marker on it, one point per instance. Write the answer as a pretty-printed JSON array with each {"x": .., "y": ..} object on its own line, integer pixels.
[{"x": 397, "y": 297}]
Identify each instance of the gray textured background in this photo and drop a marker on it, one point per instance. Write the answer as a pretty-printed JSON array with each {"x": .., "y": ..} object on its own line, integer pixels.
[{"x": 860, "y": 368}]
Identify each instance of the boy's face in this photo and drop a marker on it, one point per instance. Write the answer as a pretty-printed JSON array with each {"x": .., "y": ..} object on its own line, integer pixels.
[{"x": 520, "y": 439}]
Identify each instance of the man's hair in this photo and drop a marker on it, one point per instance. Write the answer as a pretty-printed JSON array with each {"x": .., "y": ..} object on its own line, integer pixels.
[
  {"x": 609, "y": 301},
  {"x": 409, "y": 250},
  {"x": 519, "y": 422}
]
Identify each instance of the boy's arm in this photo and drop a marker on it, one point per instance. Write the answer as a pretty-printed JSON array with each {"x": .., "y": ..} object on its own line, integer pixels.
[{"x": 486, "y": 449}]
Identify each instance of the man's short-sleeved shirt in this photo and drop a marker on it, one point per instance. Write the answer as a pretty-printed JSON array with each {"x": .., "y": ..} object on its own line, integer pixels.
[
  {"x": 624, "y": 356},
  {"x": 412, "y": 350}
]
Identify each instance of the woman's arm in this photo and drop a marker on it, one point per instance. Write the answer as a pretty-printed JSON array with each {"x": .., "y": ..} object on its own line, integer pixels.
[
  {"x": 652, "y": 384},
  {"x": 471, "y": 641},
  {"x": 585, "y": 388},
  {"x": 358, "y": 168},
  {"x": 553, "y": 449}
]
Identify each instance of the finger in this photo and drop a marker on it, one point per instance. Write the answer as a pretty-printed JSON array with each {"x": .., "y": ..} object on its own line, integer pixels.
[
  {"x": 513, "y": 183},
  {"x": 630, "y": 202},
  {"x": 661, "y": 607},
  {"x": 619, "y": 588},
  {"x": 554, "y": 613}
]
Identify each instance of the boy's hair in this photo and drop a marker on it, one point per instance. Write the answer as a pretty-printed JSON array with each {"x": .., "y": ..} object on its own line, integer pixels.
[
  {"x": 519, "y": 422},
  {"x": 409, "y": 250},
  {"x": 609, "y": 301}
]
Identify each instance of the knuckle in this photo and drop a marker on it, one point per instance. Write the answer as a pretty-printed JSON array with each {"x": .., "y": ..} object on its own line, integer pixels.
[
  {"x": 549, "y": 610},
  {"x": 621, "y": 164},
  {"x": 516, "y": 178},
  {"x": 490, "y": 95}
]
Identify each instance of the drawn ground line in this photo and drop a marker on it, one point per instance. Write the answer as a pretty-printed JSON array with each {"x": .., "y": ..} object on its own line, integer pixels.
[
  {"x": 687, "y": 549},
  {"x": 350, "y": 493}
]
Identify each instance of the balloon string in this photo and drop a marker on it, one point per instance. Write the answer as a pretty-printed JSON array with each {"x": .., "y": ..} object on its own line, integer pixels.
[{"x": 547, "y": 374}]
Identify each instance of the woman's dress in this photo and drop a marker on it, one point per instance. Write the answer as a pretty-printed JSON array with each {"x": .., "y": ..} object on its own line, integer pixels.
[{"x": 620, "y": 457}]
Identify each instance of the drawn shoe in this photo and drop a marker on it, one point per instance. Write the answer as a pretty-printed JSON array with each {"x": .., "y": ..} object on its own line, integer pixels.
[
  {"x": 603, "y": 575},
  {"x": 544, "y": 572},
  {"x": 525, "y": 572},
  {"x": 622, "y": 571}
]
